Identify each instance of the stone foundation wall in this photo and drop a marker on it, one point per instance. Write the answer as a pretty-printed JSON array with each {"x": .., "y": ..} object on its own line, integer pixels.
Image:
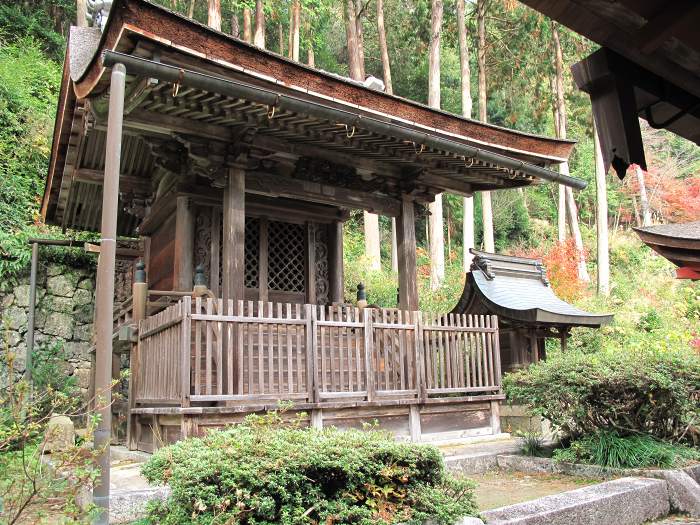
[{"x": 64, "y": 313}]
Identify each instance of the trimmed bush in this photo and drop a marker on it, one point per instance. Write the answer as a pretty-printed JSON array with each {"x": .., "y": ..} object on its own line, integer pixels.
[
  {"x": 255, "y": 473},
  {"x": 643, "y": 392}
]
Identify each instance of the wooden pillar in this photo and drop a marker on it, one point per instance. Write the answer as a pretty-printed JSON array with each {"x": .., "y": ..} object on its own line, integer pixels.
[
  {"x": 406, "y": 246},
  {"x": 233, "y": 278},
  {"x": 335, "y": 262},
  {"x": 184, "y": 244}
]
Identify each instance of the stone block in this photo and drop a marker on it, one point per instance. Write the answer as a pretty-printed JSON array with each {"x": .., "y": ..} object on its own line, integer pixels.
[
  {"x": 83, "y": 332},
  {"x": 693, "y": 471},
  {"x": 683, "y": 492},
  {"x": 77, "y": 351},
  {"x": 54, "y": 303},
  {"x": 63, "y": 285},
  {"x": 83, "y": 377},
  {"x": 14, "y": 338},
  {"x": 15, "y": 318},
  {"x": 625, "y": 501},
  {"x": 82, "y": 297},
  {"x": 60, "y": 434},
  {"x": 7, "y": 300},
  {"x": 59, "y": 324},
  {"x": 84, "y": 313},
  {"x": 86, "y": 284}
]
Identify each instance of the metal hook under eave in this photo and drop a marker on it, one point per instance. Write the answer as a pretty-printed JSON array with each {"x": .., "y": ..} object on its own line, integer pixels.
[
  {"x": 271, "y": 112},
  {"x": 418, "y": 151},
  {"x": 351, "y": 134},
  {"x": 471, "y": 161},
  {"x": 176, "y": 85}
]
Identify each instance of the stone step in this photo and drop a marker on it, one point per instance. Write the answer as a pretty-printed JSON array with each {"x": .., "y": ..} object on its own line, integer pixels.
[{"x": 626, "y": 501}]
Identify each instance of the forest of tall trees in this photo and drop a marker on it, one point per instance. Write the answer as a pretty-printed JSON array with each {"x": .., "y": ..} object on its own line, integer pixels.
[{"x": 494, "y": 60}]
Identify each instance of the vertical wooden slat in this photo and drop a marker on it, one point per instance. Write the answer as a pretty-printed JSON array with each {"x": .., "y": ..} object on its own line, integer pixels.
[
  {"x": 261, "y": 350},
  {"x": 386, "y": 342},
  {"x": 489, "y": 346},
  {"x": 311, "y": 354},
  {"x": 198, "y": 349},
  {"x": 290, "y": 364},
  {"x": 369, "y": 354},
  {"x": 300, "y": 372},
  {"x": 185, "y": 349},
  {"x": 239, "y": 347},
  {"x": 496, "y": 350},
  {"x": 250, "y": 349},
  {"x": 341, "y": 358},
  {"x": 208, "y": 377},
  {"x": 220, "y": 370},
  {"x": 401, "y": 369},
  {"x": 322, "y": 349},
  {"x": 231, "y": 362},
  {"x": 358, "y": 360}
]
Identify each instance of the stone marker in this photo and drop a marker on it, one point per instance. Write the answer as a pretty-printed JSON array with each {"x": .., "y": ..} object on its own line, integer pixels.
[{"x": 60, "y": 434}]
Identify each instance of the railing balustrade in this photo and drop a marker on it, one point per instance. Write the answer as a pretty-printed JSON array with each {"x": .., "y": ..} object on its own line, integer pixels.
[{"x": 207, "y": 350}]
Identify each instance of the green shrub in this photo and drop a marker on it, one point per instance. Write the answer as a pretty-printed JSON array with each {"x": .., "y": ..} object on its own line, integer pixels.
[
  {"x": 647, "y": 392},
  {"x": 608, "y": 449},
  {"x": 257, "y": 473}
]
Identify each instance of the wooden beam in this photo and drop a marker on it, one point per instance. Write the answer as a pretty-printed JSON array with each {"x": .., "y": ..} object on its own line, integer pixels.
[
  {"x": 335, "y": 262},
  {"x": 406, "y": 246},
  {"x": 266, "y": 184},
  {"x": 127, "y": 183},
  {"x": 184, "y": 245}
]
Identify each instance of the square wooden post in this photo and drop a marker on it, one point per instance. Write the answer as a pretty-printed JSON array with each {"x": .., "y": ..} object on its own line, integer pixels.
[
  {"x": 406, "y": 245},
  {"x": 184, "y": 244},
  {"x": 335, "y": 262},
  {"x": 233, "y": 278}
]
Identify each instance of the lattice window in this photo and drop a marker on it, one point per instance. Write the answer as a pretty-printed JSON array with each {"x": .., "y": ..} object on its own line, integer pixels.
[
  {"x": 321, "y": 254},
  {"x": 202, "y": 242},
  {"x": 252, "y": 253},
  {"x": 286, "y": 257}
]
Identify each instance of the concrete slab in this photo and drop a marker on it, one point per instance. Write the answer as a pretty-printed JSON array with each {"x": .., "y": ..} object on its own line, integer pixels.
[{"x": 626, "y": 501}]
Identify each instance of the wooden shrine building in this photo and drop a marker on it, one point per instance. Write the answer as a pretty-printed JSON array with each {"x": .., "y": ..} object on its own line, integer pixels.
[
  {"x": 217, "y": 155},
  {"x": 516, "y": 289}
]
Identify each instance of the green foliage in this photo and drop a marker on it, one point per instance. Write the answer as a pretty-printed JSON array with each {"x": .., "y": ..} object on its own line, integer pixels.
[
  {"x": 262, "y": 472},
  {"x": 608, "y": 449},
  {"x": 652, "y": 392},
  {"x": 19, "y": 22}
]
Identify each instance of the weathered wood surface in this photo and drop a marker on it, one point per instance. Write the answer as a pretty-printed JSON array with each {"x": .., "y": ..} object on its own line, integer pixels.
[{"x": 311, "y": 354}]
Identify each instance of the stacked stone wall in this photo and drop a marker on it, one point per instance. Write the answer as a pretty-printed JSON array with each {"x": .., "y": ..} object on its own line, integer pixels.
[{"x": 64, "y": 314}]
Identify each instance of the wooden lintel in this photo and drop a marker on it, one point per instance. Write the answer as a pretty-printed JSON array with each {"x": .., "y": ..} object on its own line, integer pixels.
[
  {"x": 273, "y": 185},
  {"x": 121, "y": 252}
]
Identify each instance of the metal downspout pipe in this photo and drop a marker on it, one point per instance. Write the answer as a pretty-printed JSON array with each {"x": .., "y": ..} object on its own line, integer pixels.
[
  {"x": 105, "y": 289},
  {"x": 148, "y": 68}
]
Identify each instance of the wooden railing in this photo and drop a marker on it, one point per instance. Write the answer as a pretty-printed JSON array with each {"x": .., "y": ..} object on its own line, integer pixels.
[{"x": 203, "y": 350}]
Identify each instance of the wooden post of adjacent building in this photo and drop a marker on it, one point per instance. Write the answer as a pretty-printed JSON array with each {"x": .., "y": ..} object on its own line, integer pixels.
[
  {"x": 335, "y": 262},
  {"x": 139, "y": 294},
  {"x": 184, "y": 244},
  {"x": 406, "y": 246},
  {"x": 104, "y": 300}
]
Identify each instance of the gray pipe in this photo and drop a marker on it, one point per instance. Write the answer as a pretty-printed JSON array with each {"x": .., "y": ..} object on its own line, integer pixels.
[{"x": 148, "y": 68}]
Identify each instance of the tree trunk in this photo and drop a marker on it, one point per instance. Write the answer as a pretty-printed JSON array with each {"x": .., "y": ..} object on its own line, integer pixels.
[
  {"x": 259, "y": 37},
  {"x": 280, "y": 36},
  {"x": 190, "y": 9},
  {"x": 235, "y": 27},
  {"x": 643, "y": 198},
  {"x": 559, "y": 123},
  {"x": 372, "y": 251},
  {"x": 214, "y": 14},
  {"x": 486, "y": 207},
  {"x": 354, "y": 66},
  {"x": 467, "y": 202},
  {"x": 247, "y": 25},
  {"x": 572, "y": 215},
  {"x": 310, "y": 57},
  {"x": 81, "y": 13},
  {"x": 294, "y": 30},
  {"x": 360, "y": 35},
  {"x": 601, "y": 219},
  {"x": 437, "y": 233},
  {"x": 383, "y": 49}
]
